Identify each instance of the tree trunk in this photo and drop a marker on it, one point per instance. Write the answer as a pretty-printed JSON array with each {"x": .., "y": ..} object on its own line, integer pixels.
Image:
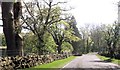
[
  {"x": 18, "y": 38},
  {"x": 59, "y": 48},
  {"x": 40, "y": 45},
  {"x": 8, "y": 27},
  {"x": 10, "y": 17},
  {"x": 87, "y": 47},
  {"x": 75, "y": 47},
  {"x": 113, "y": 49}
]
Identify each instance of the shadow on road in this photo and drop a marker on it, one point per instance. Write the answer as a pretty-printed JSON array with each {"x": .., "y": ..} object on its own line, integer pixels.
[{"x": 105, "y": 61}]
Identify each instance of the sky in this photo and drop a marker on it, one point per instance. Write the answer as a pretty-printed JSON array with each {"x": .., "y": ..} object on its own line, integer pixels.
[{"x": 93, "y": 11}]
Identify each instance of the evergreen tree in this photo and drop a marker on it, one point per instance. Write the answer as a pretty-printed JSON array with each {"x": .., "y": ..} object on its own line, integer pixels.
[{"x": 75, "y": 44}]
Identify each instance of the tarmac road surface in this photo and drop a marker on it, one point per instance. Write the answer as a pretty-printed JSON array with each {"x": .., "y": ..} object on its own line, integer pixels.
[{"x": 90, "y": 62}]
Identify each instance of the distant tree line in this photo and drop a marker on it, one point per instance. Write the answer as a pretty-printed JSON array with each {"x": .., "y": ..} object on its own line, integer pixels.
[{"x": 104, "y": 39}]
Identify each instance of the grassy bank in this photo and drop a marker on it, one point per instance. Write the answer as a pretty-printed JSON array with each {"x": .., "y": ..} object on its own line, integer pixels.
[
  {"x": 116, "y": 61},
  {"x": 54, "y": 64}
]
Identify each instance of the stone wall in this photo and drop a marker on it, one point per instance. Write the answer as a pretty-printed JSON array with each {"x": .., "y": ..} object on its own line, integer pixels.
[
  {"x": 2, "y": 50},
  {"x": 12, "y": 63}
]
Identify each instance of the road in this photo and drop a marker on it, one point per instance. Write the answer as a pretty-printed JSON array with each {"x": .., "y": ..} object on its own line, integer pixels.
[{"x": 90, "y": 62}]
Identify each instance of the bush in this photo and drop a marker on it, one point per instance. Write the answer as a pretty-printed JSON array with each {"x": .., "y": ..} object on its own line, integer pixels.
[{"x": 117, "y": 56}]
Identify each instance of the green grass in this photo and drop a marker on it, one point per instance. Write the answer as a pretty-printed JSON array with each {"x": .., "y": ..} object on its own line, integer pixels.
[
  {"x": 116, "y": 61},
  {"x": 53, "y": 65}
]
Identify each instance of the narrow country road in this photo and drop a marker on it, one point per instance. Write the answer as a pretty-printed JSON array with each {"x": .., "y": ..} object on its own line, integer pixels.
[{"x": 90, "y": 62}]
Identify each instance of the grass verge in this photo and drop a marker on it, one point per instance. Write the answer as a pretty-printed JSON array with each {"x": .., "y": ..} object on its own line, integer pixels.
[
  {"x": 53, "y": 65},
  {"x": 113, "y": 60}
]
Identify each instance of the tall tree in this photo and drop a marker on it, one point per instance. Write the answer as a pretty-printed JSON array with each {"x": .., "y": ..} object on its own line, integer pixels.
[
  {"x": 97, "y": 36},
  {"x": 8, "y": 27},
  {"x": 40, "y": 19},
  {"x": 61, "y": 32},
  {"x": 75, "y": 44},
  {"x": 58, "y": 35},
  {"x": 17, "y": 10},
  {"x": 114, "y": 38},
  {"x": 9, "y": 14}
]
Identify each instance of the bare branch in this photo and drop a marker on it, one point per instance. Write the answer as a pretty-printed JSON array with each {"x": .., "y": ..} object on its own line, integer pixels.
[
  {"x": 66, "y": 9},
  {"x": 51, "y": 22},
  {"x": 59, "y": 3},
  {"x": 40, "y": 10},
  {"x": 21, "y": 23},
  {"x": 29, "y": 12},
  {"x": 53, "y": 17},
  {"x": 46, "y": 2},
  {"x": 24, "y": 21},
  {"x": 48, "y": 15},
  {"x": 26, "y": 27}
]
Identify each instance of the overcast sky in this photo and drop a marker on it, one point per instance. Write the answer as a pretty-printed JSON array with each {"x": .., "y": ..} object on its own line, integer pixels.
[{"x": 93, "y": 11}]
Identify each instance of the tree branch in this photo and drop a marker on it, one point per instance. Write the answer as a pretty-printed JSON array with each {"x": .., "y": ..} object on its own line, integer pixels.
[
  {"x": 46, "y": 2},
  {"x": 59, "y": 3},
  {"x": 26, "y": 27},
  {"x": 30, "y": 12},
  {"x": 30, "y": 28},
  {"x": 40, "y": 10},
  {"x": 51, "y": 22},
  {"x": 48, "y": 15}
]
